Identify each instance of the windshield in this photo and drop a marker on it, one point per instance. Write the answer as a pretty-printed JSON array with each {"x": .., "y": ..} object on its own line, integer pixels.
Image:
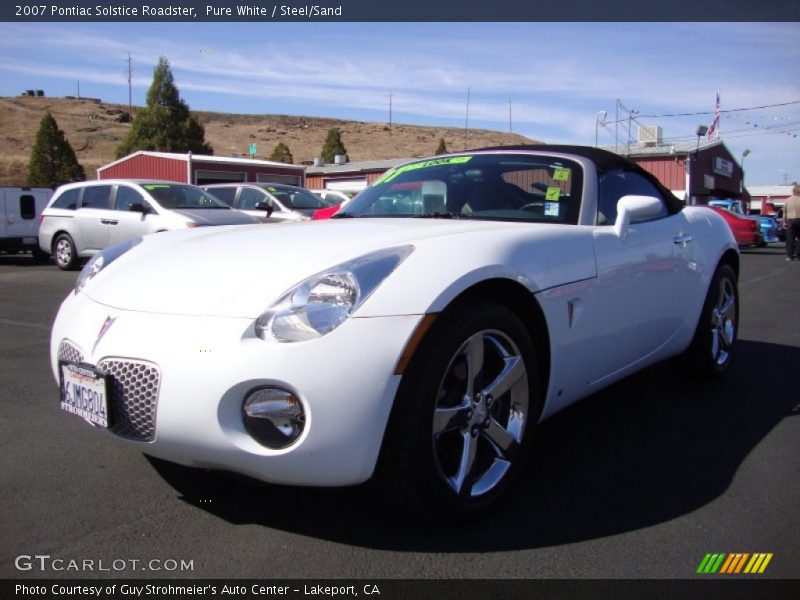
[
  {"x": 176, "y": 195},
  {"x": 498, "y": 187},
  {"x": 296, "y": 198}
]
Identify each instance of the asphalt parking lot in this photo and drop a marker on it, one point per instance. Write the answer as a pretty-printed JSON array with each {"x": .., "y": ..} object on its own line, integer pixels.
[{"x": 639, "y": 481}]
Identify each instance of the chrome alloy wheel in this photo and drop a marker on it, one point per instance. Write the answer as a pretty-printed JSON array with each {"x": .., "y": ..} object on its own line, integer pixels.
[
  {"x": 723, "y": 322},
  {"x": 63, "y": 253},
  {"x": 480, "y": 414}
]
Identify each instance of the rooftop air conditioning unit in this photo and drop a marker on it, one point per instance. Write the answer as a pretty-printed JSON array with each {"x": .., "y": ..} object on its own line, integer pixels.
[
  {"x": 340, "y": 159},
  {"x": 650, "y": 135},
  {"x": 318, "y": 162}
]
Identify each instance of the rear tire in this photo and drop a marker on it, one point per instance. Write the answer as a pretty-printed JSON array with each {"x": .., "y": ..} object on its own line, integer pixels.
[
  {"x": 64, "y": 253},
  {"x": 712, "y": 348},
  {"x": 463, "y": 416}
]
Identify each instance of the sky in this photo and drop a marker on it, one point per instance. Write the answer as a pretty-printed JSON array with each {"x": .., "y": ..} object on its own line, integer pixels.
[{"x": 547, "y": 81}]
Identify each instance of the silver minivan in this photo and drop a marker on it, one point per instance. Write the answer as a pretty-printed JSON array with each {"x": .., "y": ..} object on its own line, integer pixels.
[{"x": 83, "y": 218}]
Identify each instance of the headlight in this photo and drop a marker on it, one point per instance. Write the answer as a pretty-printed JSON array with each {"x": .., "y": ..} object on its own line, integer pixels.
[
  {"x": 101, "y": 260},
  {"x": 321, "y": 303}
]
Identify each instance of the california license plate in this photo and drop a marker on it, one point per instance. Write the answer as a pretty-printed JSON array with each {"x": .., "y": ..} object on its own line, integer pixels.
[{"x": 84, "y": 393}]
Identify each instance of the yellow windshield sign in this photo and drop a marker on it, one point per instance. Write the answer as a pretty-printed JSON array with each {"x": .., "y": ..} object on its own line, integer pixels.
[
  {"x": 436, "y": 162},
  {"x": 561, "y": 174},
  {"x": 553, "y": 194}
]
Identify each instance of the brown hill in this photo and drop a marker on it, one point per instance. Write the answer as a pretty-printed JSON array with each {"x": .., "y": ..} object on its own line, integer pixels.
[{"x": 94, "y": 129}]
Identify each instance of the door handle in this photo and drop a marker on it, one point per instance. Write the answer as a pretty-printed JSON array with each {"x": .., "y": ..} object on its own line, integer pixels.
[
  {"x": 108, "y": 221},
  {"x": 683, "y": 239}
]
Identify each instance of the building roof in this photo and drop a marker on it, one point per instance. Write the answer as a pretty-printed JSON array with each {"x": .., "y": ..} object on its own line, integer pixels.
[
  {"x": 770, "y": 190},
  {"x": 358, "y": 167},
  {"x": 204, "y": 158},
  {"x": 678, "y": 148}
]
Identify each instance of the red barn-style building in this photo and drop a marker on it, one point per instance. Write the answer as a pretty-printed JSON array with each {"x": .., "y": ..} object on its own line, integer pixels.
[{"x": 200, "y": 170}]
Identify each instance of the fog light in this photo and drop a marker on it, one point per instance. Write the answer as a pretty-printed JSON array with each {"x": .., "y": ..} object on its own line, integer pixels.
[{"x": 273, "y": 416}]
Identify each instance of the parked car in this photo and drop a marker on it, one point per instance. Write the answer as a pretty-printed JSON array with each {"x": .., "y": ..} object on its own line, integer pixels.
[
  {"x": 332, "y": 197},
  {"x": 269, "y": 202},
  {"x": 745, "y": 230},
  {"x": 768, "y": 225},
  {"x": 781, "y": 225},
  {"x": 84, "y": 218},
  {"x": 20, "y": 209},
  {"x": 417, "y": 338},
  {"x": 327, "y": 213}
]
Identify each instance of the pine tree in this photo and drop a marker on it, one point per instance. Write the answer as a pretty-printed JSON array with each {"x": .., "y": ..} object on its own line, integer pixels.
[
  {"x": 442, "y": 147},
  {"x": 333, "y": 146},
  {"x": 52, "y": 160},
  {"x": 165, "y": 124},
  {"x": 281, "y": 153}
]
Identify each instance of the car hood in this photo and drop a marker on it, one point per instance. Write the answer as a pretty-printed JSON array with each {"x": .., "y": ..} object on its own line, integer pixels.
[
  {"x": 241, "y": 271},
  {"x": 216, "y": 216}
]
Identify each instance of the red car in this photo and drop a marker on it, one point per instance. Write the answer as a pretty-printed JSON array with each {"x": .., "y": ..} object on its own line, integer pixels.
[{"x": 746, "y": 231}]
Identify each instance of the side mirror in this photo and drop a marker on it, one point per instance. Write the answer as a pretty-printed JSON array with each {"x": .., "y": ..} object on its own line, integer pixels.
[
  {"x": 267, "y": 206},
  {"x": 638, "y": 208},
  {"x": 140, "y": 208}
]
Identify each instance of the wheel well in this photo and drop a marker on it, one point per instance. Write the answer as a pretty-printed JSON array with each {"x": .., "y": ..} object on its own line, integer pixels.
[
  {"x": 55, "y": 237},
  {"x": 518, "y": 299},
  {"x": 731, "y": 257}
]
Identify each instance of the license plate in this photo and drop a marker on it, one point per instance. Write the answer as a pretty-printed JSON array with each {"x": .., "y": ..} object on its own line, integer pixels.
[{"x": 84, "y": 393}]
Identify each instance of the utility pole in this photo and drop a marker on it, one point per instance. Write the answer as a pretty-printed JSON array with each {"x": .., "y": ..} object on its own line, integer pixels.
[
  {"x": 130, "y": 102},
  {"x": 390, "y": 112},
  {"x": 466, "y": 122},
  {"x": 79, "y": 90}
]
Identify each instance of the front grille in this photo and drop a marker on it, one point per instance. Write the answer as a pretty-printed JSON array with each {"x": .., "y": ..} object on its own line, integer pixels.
[
  {"x": 133, "y": 393},
  {"x": 133, "y": 396},
  {"x": 68, "y": 352}
]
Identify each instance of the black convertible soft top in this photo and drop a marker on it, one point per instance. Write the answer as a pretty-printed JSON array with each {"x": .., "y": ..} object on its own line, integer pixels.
[{"x": 603, "y": 160}]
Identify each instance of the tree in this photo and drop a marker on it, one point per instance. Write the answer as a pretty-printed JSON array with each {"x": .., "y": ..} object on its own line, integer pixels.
[
  {"x": 52, "y": 160},
  {"x": 165, "y": 123},
  {"x": 333, "y": 146},
  {"x": 442, "y": 147},
  {"x": 281, "y": 153}
]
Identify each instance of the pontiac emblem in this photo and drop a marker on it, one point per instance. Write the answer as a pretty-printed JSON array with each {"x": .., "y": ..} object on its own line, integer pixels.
[{"x": 103, "y": 329}]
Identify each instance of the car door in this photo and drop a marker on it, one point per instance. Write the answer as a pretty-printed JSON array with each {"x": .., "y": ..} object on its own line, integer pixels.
[
  {"x": 93, "y": 218},
  {"x": 129, "y": 223},
  {"x": 643, "y": 281},
  {"x": 250, "y": 196}
]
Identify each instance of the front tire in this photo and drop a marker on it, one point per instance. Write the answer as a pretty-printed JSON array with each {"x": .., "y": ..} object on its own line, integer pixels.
[
  {"x": 712, "y": 348},
  {"x": 65, "y": 253},
  {"x": 463, "y": 416}
]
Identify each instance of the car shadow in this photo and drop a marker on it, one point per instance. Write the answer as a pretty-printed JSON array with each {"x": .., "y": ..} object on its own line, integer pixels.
[
  {"x": 21, "y": 260},
  {"x": 771, "y": 250},
  {"x": 644, "y": 451}
]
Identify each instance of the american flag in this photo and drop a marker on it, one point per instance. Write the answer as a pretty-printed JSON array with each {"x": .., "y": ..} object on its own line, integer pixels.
[{"x": 715, "y": 123}]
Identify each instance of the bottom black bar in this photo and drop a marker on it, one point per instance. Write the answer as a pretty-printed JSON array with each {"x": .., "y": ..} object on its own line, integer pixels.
[{"x": 400, "y": 589}]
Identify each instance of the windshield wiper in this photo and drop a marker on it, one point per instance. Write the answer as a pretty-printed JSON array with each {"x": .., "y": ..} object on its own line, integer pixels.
[
  {"x": 343, "y": 216},
  {"x": 438, "y": 215}
]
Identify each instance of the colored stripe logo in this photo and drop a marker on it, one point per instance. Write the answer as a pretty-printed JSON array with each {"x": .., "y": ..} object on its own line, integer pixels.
[{"x": 734, "y": 563}]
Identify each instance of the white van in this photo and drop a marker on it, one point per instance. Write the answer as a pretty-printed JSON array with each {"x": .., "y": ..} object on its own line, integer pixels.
[{"x": 20, "y": 208}]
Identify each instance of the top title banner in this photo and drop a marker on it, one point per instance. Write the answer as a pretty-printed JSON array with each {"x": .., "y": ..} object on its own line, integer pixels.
[{"x": 406, "y": 11}]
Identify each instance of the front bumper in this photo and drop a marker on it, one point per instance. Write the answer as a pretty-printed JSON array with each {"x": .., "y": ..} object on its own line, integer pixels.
[{"x": 207, "y": 366}]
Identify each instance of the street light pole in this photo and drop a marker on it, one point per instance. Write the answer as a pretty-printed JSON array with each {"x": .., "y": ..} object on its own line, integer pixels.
[
  {"x": 690, "y": 160},
  {"x": 744, "y": 155}
]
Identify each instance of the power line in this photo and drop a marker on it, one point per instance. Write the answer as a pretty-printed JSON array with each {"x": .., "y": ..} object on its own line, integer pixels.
[{"x": 730, "y": 110}]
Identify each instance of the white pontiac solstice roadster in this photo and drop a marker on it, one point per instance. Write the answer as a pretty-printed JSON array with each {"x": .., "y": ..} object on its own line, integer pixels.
[{"x": 417, "y": 339}]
